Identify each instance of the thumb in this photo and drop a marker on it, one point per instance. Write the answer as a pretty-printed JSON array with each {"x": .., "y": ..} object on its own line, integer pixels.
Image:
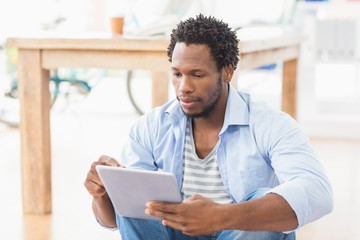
[
  {"x": 113, "y": 163},
  {"x": 109, "y": 161},
  {"x": 192, "y": 198}
]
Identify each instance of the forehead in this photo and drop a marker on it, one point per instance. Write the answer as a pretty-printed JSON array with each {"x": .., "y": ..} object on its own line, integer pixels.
[{"x": 193, "y": 54}]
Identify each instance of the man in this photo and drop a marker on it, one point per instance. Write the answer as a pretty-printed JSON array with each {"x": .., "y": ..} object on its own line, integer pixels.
[{"x": 245, "y": 170}]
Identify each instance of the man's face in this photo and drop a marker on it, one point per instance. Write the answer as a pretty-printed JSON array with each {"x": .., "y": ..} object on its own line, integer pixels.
[{"x": 197, "y": 82}]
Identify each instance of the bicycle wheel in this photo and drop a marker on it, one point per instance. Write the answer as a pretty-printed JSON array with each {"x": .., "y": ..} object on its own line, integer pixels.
[
  {"x": 129, "y": 78},
  {"x": 11, "y": 118}
]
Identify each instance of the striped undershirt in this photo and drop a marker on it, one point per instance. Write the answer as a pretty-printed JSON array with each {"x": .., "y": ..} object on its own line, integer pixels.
[{"x": 202, "y": 176}]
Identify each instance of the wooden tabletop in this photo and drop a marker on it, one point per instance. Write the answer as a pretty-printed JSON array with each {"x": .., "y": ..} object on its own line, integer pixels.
[{"x": 108, "y": 42}]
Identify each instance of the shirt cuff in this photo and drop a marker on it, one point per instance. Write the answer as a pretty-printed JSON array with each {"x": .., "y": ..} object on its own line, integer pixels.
[
  {"x": 297, "y": 198},
  {"x": 109, "y": 228}
]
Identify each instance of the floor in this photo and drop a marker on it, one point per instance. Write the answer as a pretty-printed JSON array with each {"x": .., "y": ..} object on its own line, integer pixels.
[{"x": 84, "y": 129}]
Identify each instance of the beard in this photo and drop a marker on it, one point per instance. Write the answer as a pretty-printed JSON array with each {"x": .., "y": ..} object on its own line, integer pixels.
[{"x": 209, "y": 108}]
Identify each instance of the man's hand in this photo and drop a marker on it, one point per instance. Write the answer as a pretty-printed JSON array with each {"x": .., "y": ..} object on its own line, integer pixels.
[
  {"x": 92, "y": 182},
  {"x": 195, "y": 216},
  {"x": 102, "y": 206}
]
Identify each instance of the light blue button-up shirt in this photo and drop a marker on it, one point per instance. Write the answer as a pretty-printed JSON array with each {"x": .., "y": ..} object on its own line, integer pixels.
[{"x": 259, "y": 147}]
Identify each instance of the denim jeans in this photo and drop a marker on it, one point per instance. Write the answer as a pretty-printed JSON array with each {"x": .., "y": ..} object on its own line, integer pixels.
[{"x": 131, "y": 229}]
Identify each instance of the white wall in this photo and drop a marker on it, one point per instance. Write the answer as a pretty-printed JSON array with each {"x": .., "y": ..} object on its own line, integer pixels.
[{"x": 329, "y": 90}]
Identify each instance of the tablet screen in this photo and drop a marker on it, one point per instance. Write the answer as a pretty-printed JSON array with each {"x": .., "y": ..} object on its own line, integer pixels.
[{"x": 130, "y": 189}]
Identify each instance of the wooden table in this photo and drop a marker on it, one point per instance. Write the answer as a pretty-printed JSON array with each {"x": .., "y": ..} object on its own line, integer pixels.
[{"x": 37, "y": 55}]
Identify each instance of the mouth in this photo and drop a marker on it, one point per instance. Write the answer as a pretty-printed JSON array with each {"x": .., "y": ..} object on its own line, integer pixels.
[{"x": 188, "y": 102}]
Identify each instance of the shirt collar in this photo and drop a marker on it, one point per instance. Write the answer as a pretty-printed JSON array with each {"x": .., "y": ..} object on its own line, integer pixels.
[
  {"x": 174, "y": 111},
  {"x": 237, "y": 109}
]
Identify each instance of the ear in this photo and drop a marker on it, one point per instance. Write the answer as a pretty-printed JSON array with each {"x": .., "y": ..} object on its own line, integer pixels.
[{"x": 227, "y": 73}]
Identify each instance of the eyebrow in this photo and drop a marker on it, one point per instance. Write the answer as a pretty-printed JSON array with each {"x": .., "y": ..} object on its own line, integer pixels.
[
  {"x": 192, "y": 70},
  {"x": 197, "y": 70}
]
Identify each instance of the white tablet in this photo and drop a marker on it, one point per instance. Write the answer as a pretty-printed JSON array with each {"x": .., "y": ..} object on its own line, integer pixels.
[{"x": 130, "y": 189}]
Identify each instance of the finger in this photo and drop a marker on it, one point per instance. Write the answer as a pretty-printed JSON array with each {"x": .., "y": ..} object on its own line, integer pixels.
[
  {"x": 108, "y": 161},
  {"x": 170, "y": 218},
  {"x": 193, "y": 198},
  {"x": 159, "y": 214},
  {"x": 163, "y": 206},
  {"x": 184, "y": 228},
  {"x": 97, "y": 183},
  {"x": 98, "y": 191},
  {"x": 93, "y": 175},
  {"x": 93, "y": 188},
  {"x": 165, "y": 211},
  {"x": 173, "y": 224},
  {"x": 93, "y": 183}
]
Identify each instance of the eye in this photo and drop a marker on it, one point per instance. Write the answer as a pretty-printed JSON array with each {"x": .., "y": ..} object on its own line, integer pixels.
[
  {"x": 176, "y": 74},
  {"x": 197, "y": 75}
]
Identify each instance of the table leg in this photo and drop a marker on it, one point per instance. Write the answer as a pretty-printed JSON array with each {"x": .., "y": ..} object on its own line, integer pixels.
[
  {"x": 289, "y": 92},
  {"x": 35, "y": 132},
  {"x": 160, "y": 88}
]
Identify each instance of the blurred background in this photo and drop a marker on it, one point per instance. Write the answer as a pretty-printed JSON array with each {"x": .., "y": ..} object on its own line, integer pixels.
[{"x": 93, "y": 109}]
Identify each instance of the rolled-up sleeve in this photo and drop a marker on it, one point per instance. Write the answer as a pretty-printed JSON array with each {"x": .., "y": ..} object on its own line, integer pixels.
[
  {"x": 303, "y": 181},
  {"x": 307, "y": 197}
]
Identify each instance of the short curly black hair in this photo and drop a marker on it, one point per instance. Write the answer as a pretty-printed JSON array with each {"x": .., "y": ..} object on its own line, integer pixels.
[{"x": 216, "y": 34}]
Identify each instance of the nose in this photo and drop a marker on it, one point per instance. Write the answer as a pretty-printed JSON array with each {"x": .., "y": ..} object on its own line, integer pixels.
[{"x": 185, "y": 84}]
